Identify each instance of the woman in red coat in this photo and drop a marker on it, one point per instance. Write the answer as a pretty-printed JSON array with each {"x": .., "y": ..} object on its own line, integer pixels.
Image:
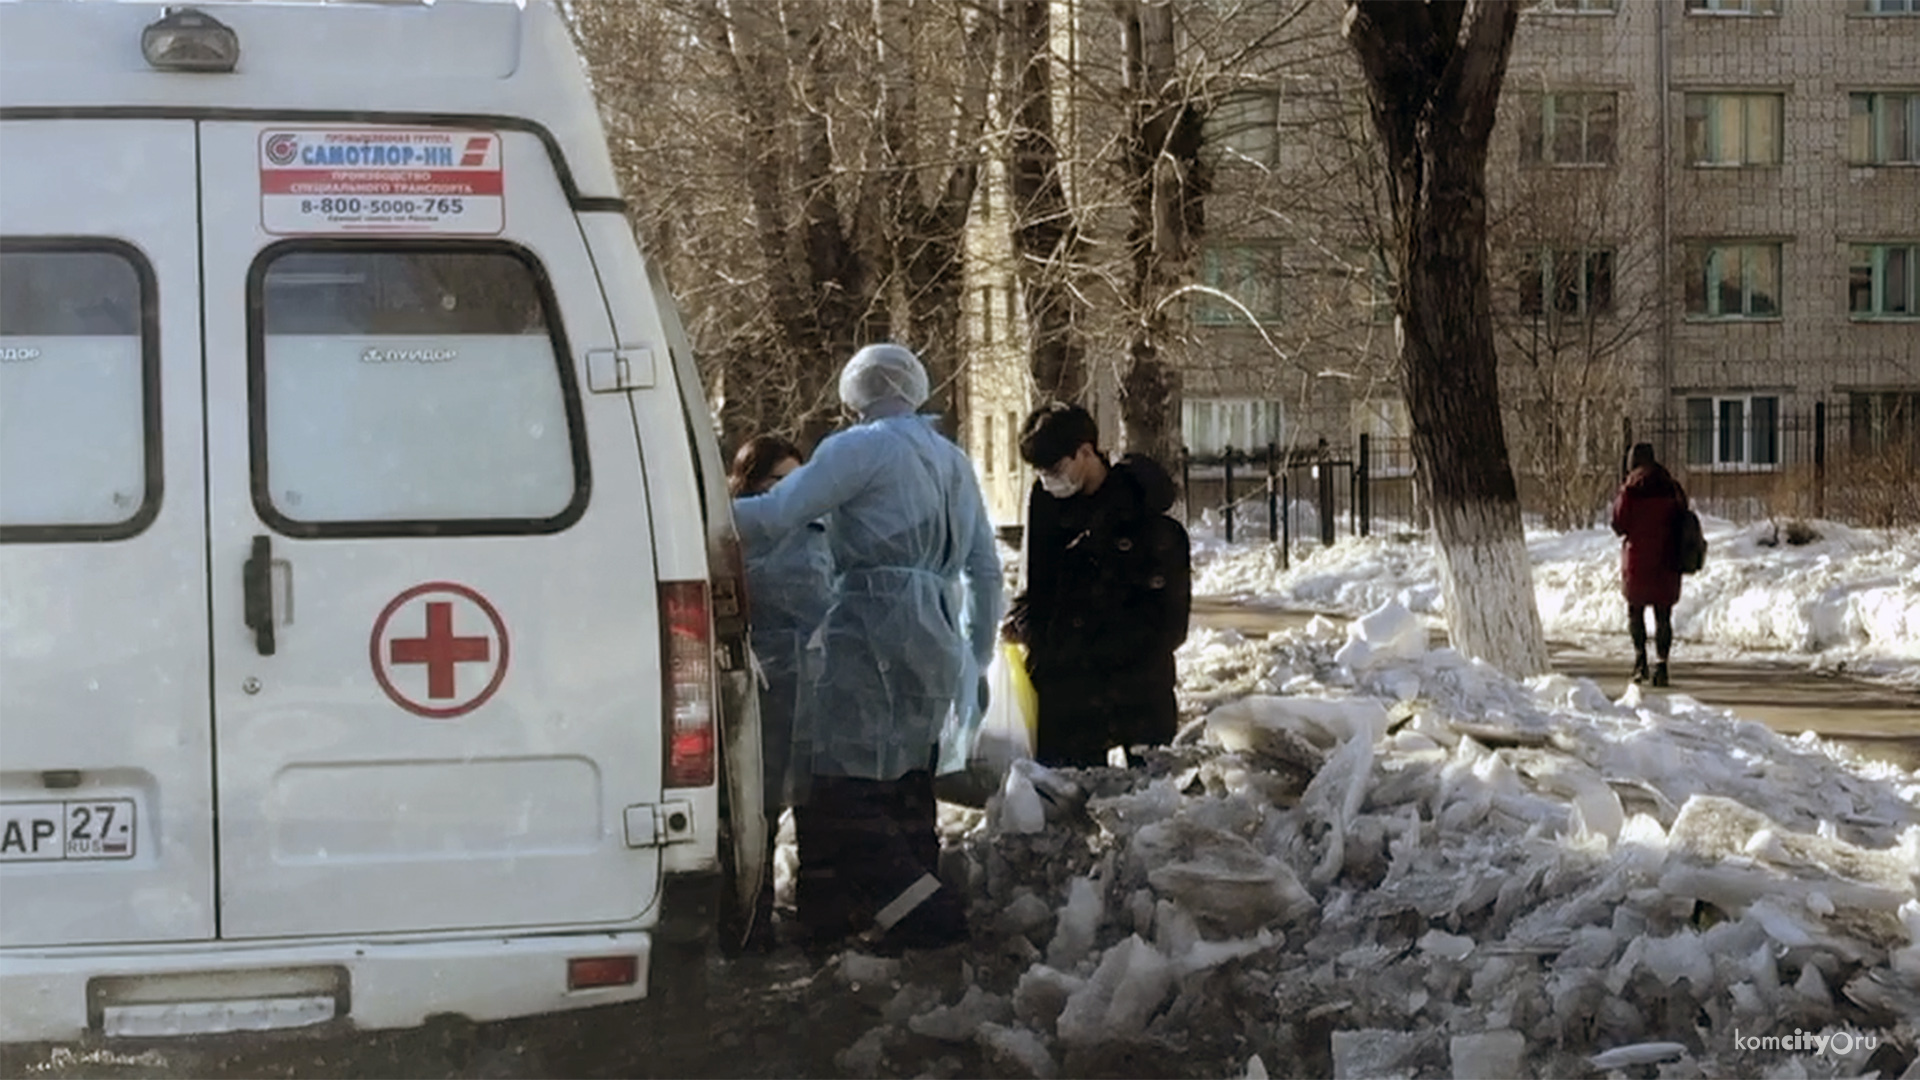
[{"x": 1645, "y": 512}]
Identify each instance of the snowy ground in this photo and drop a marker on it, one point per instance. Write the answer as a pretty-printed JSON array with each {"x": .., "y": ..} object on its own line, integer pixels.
[
  {"x": 1372, "y": 859},
  {"x": 1849, "y": 598},
  {"x": 1365, "y": 857}
]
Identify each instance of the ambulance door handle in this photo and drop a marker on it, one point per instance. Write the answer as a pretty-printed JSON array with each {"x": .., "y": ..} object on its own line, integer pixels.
[
  {"x": 284, "y": 568},
  {"x": 257, "y": 581}
]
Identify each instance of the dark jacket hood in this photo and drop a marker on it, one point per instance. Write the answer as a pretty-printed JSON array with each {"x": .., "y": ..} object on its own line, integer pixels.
[{"x": 1149, "y": 479}]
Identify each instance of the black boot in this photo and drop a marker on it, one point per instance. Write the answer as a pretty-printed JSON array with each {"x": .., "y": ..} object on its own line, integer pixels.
[
  {"x": 1640, "y": 667},
  {"x": 1660, "y": 673}
]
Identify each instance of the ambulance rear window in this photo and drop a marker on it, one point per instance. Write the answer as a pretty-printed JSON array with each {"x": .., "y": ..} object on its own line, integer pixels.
[
  {"x": 411, "y": 389},
  {"x": 79, "y": 431}
]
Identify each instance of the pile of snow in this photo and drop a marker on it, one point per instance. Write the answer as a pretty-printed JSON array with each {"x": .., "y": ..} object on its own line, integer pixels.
[
  {"x": 1850, "y": 596},
  {"x": 1373, "y": 859}
]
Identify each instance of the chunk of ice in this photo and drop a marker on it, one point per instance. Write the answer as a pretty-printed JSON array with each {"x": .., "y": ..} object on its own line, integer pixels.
[
  {"x": 1812, "y": 987},
  {"x": 1041, "y": 993},
  {"x": 1019, "y": 1052},
  {"x": 1446, "y": 946},
  {"x": 1020, "y": 808},
  {"x": 1370, "y": 1053},
  {"x": 958, "y": 1022},
  {"x": 1116, "y": 1003},
  {"x": 1079, "y": 920},
  {"x": 1487, "y": 1054}
]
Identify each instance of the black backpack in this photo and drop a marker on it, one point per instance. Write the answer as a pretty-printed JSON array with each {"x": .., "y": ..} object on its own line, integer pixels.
[{"x": 1689, "y": 542}]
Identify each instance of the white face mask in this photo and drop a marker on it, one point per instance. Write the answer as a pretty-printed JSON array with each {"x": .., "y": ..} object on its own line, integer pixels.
[{"x": 1060, "y": 487}]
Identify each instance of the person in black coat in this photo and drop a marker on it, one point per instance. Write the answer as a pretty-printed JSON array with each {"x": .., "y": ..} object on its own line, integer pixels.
[{"x": 1107, "y": 586}]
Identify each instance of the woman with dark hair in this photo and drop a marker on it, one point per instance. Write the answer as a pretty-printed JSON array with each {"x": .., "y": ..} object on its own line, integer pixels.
[
  {"x": 1646, "y": 513},
  {"x": 789, "y": 588}
]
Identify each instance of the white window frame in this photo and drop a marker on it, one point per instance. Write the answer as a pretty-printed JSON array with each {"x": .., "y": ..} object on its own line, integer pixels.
[
  {"x": 1877, "y": 270},
  {"x": 1260, "y": 420},
  {"x": 1748, "y": 438},
  {"x": 1748, "y": 8},
  {"x": 1894, "y": 8},
  {"x": 1230, "y": 268},
  {"x": 1577, "y": 7},
  {"x": 1371, "y": 285},
  {"x": 1558, "y": 107},
  {"x": 1871, "y": 126},
  {"x": 1544, "y": 261},
  {"x": 1714, "y": 253},
  {"x": 1709, "y": 109},
  {"x": 1244, "y": 126},
  {"x": 1383, "y": 418}
]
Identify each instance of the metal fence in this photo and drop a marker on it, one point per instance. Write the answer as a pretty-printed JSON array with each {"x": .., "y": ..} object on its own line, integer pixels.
[
  {"x": 1300, "y": 494},
  {"x": 1856, "y": 461}
]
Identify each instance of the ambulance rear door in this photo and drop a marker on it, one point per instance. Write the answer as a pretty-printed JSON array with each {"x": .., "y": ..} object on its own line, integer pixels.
[
  {"x": 105, "y": 759},
  {"x": 436, "y": 625}
]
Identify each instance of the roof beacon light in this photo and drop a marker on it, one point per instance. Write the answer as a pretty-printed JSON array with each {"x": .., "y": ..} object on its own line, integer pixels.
[{"x": 187, "y": 40}]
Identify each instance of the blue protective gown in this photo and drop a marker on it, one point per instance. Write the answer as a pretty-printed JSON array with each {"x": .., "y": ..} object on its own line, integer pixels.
[
  {"x": 789, "y": 588},
  {"x": 905, "y": 521}
]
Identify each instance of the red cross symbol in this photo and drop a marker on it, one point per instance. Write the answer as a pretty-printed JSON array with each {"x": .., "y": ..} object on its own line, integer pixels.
[{"x": 441, "y": 651}]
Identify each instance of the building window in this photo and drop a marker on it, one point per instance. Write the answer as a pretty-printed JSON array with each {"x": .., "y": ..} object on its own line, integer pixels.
[
  {"x": 1577, "y": 7},
  {"x": 1733, "y": 281},
  {"x": 1880, "y": 419},
  {"x": 1372, "y": 286},
  {"x": 1883, "y": 281},
  {"x": 1577, "y": 282},
  {"x": 1734, "y": 431},
  {"x": 1250, "y": 273},
  {"x": 986, "y": 315},
  {"x": 1883, "y": 129},
  {"x": 1389, "y": 430},
  {"x": 1733, "y": 7},
  {"x": 1245, "y": 126},
  {"x": 1887, "y": 7},
  {"x": 1730, "y": 130},
  {"x": 1212, "y": 425},
  {"x": 1569, "y": 129}
]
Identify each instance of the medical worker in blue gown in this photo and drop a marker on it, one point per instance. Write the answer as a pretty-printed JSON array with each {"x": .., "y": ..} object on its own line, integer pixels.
[
  {"x": 789, "y": 587},
  {"x": 906, "y": 526}
]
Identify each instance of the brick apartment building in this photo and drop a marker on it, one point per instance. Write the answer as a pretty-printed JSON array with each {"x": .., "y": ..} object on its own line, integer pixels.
[{"x": 1705, "y": 220}]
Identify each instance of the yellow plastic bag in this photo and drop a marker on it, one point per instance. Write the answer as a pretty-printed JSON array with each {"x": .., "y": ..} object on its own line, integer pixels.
[{"x": 1025, "y": 699}]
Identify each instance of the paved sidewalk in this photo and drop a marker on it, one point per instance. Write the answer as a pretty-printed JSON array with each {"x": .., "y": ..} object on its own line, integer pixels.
[{"x": 1878, "y": 720}]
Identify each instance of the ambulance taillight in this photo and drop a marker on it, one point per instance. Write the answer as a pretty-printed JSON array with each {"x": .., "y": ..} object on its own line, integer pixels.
[{"x": 691, "y": 740}]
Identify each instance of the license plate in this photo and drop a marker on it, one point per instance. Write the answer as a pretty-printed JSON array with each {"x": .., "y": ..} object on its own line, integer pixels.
[{"x": 67, "y": 829}]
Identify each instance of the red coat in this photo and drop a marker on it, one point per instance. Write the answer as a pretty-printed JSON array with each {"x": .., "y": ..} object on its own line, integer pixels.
[{"x": 1644, "y": 512}]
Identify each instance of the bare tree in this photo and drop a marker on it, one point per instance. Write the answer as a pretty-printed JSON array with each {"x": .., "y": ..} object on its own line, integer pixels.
[
  {"x": 1434, "y": 73},
  {"x": 1167, "y": 186},
  {"x": 1578, "y": 249},
  {"x": 803, "y": 168},
  {"x": 1047, "y": 232}
]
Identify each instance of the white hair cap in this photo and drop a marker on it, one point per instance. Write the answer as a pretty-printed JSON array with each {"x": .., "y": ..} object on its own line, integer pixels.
[{"x": 881, "y": 373}]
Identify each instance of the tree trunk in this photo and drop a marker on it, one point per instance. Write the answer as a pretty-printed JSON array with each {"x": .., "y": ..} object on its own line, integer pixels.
[
  {"x": 1434, "y": 73},
  {"x": 1167, "y": 187},
  {"x": 927, "y": 230},
  {"x": 1046, "y": 236}
]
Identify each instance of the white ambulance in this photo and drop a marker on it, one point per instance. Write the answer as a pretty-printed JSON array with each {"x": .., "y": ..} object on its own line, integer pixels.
[{"x": 371, "y": 629}]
